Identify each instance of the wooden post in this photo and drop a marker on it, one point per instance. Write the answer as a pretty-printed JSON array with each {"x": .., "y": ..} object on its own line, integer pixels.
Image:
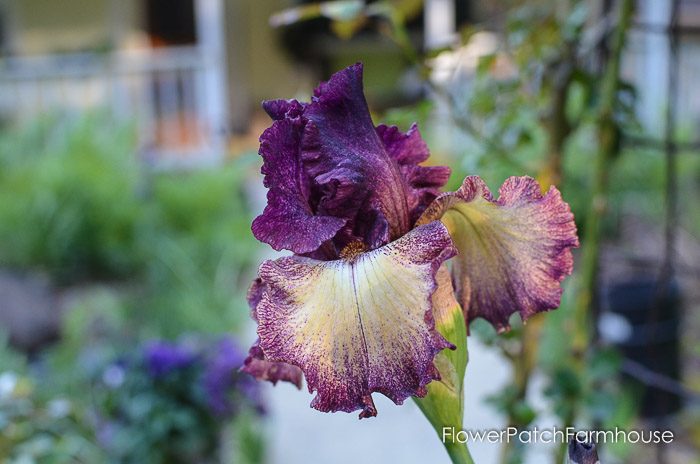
[{"x": 210, "y": 36}]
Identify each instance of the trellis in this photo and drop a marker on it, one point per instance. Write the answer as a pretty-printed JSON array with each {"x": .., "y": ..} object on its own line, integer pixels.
[{"x": 668, "y": 144}]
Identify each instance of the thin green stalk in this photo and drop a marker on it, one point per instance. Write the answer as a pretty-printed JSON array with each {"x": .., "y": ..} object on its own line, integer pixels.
[
  {"x": 607, "y": 135},
  {"x": 556, "y": 123},
  {"x": 607, "y": 139},
  {"x": 459, "y": 453},
  {"x": 522, "y": 362}
]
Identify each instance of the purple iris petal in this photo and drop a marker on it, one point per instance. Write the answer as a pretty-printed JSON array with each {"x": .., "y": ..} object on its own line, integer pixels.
[
  {"x": 334, "y": 178},
  {"x": 163, "y": 357},
  {"x": 408, "y": 150},
  {"x": 257, "y": 365},
  {"x": 289, "y": 222}
]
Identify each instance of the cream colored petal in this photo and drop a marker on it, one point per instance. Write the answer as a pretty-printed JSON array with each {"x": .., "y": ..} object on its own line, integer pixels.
[{"x": 357, "y": 326}]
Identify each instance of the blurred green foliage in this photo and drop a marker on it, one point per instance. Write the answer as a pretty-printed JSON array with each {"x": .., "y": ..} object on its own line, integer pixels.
[
  {"x": 76, "y": 203},
  {"x": 39, "y": 425},
  {"x": 67, "y": 199},
  {"x": 42, "y": 432},
  {"x": 102, "y": 406},
  {"x": 199, "y": 248},
  {"x": 137, "y": 254}
]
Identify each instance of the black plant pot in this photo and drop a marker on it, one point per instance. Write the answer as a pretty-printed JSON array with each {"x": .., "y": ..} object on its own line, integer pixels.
[{"x": 642, "y": 319}]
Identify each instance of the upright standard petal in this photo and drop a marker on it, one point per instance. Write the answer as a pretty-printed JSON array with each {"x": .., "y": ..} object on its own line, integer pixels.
[
  {"x": 357, "y": 325},
  {"x": 288, "y": 221},
  {"x": 335, "y": 178},
  {"x": 408, "y": 150},
  {"x": 513, "y": 252},
  {"x": 354, "y": 174}
]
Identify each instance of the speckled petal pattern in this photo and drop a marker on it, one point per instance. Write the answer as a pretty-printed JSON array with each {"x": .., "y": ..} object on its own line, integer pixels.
[
  {"x": 357, "y": 325},
  {"x": 514, "y": 251},
  {"x": 259, "y": 367},
  {"x": 256, "y": 364}
]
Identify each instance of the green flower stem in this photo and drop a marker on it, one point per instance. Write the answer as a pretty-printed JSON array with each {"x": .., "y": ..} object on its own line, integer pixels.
[
  {"x": 443, "y": 406},
  {"x": 522, "y": 362},
  {"x": 459, "y": 453}
]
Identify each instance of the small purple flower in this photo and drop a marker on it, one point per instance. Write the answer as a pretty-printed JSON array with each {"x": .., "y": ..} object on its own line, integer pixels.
[
  {"x": 163, "y": 358},
  {"x": 221, "y": 378},
  {"x": 353, "y": 309}
]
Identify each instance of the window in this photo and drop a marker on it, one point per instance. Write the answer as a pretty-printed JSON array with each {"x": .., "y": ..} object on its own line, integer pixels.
[{"x": 171, "y": 22}]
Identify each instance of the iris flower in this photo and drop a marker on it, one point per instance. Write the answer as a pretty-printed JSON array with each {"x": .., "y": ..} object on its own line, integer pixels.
[{"x": 353, "y": 309}]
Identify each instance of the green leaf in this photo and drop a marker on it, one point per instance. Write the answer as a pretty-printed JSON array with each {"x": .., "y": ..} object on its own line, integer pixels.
[{"x": 486, "y": 62}]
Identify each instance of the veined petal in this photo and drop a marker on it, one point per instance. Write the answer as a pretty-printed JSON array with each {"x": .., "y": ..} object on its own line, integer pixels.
[
  {"x": 513, "y": 252},
  {"x": 256, "y": 364},
  {"x": 354, "y": 175},
  {"x": 357, "y": 325}
]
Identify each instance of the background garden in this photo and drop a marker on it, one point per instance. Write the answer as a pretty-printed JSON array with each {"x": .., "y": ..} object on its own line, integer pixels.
[{"x": 129, "y": 178}]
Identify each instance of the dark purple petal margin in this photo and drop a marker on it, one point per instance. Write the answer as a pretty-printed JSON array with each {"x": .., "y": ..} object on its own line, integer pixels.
[{"x": 256, "y": 364}]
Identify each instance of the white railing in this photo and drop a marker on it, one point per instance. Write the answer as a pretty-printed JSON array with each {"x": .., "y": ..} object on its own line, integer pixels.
[{"x": 175, "y": 96}]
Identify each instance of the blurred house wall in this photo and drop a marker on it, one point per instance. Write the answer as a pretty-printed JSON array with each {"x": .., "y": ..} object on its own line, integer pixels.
[
  {"x": 50, "y": 26},
  {"x": 273, "y": 74},
  {"x": 257, "y": 68}
]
